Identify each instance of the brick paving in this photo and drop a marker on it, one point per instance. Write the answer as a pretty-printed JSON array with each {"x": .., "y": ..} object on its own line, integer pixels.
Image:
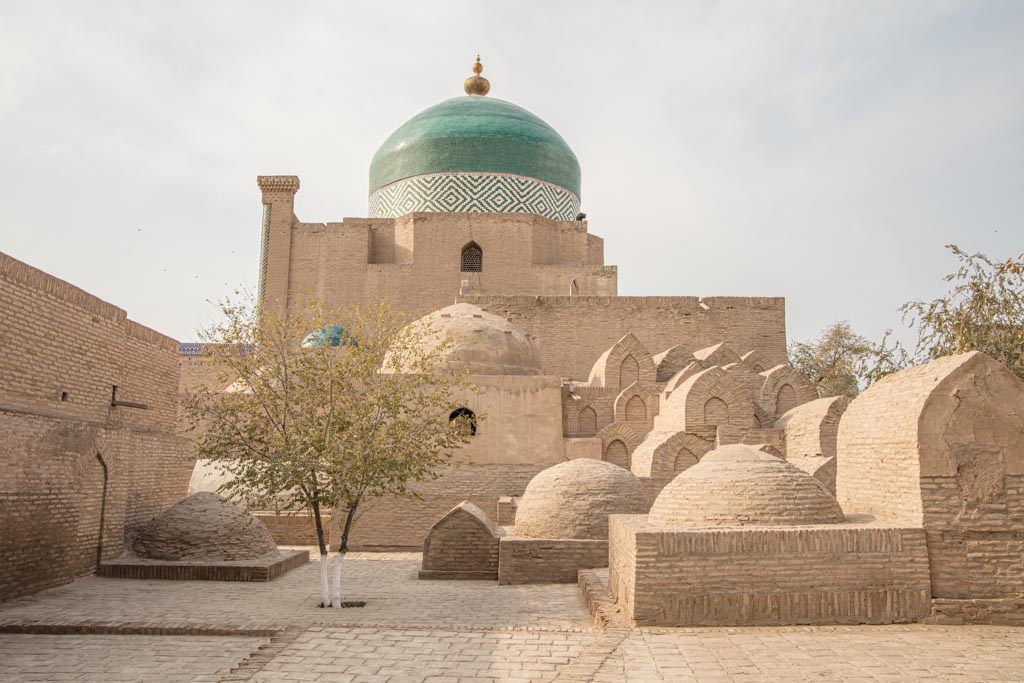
[
  {"x": 435, "y": 631},
  {"x": 171, "y": 659},
  {"x": 386, "y": 581}
]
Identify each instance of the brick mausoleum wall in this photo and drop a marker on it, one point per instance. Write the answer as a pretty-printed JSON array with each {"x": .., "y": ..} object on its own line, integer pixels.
[
  {"x": 558, "y": 560},
  {"x": 68, "y": 456},
  {"x": 415, "y": 260},
  {"x": 294, "y": 529},
  {"x": 405, "y": 522},
  {"x": 462, "y": 542},
  {"x": 812, "y": 429},
  {"x": 653, "y": 486},
  {"x": 997, "y": 612},
  {"x": 674, "y": 576},
  {"x": 938, "y": 445},
  {"x": 574, "y": 331},
  {"x": 979, "y": 555}
]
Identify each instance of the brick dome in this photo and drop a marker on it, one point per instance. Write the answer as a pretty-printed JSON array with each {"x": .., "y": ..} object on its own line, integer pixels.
[
  {"x": 203, "y": 526},
  {"x": 573, "y": 500},
  {"x": 740, "y": 486},
  {"x": 484, "y": 344}
]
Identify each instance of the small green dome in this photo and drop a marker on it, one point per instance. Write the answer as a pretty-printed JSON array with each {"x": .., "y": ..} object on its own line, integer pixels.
[{"x": 476, "y": 134}]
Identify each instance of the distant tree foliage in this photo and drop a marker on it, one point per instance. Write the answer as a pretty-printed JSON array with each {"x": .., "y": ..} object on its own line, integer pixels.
[
  {"x": 834, "y": 360},
  {"x": 983, "y": 311},
  {"x": 324, "y": 425}
]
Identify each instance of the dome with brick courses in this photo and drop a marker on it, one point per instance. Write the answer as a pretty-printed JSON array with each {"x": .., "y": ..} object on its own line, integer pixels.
[
  {"x": 573, "y": 500},
  {"x": 739, "y": 486},
  {"x": 203, "y": 526},
  {"x": 481, "y": 343}
]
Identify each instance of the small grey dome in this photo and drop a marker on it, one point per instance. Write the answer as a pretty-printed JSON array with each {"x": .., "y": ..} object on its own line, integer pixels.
[
  {"x": 203, "y": 526},
  {"x": 483, "y": 343},
  {"x": 573, "y": 500},
  {"x": 738, "y": 485}
]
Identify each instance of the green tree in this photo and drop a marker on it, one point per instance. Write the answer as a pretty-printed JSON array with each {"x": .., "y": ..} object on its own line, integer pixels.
[
  {"x": 322, "y": 419},
  {"x": 834, "y": 360},
  {"x": 982, "y": 311}
]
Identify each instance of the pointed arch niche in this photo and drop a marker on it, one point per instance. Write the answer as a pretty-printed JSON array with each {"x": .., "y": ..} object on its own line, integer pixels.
[{"x": 472, "y": 258}]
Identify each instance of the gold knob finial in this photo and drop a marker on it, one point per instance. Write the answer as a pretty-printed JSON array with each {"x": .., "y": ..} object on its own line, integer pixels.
[{"x": 477, "y": 84}]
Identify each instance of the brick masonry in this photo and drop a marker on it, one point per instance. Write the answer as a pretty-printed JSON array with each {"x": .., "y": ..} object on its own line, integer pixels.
[
  {"x": 293, "y": 529},
  {"x": 462, "y": 544},
  {"x": 941, "y": 446},
  {"x": 265, "y": 568},
  {"x": 536, "y": 560},
  {"x": 546, "y": 276},
  {"x": 79, "y": 455},
  {"x": 405, "y": 522},
  {"x": 822, "y": 574}
]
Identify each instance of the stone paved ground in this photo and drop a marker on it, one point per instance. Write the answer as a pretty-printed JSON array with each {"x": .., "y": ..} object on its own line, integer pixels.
[
  {"x": 26, "y": 657},
  {"x": 419, "y": 631},
  {"x": 386, "y": 581}
]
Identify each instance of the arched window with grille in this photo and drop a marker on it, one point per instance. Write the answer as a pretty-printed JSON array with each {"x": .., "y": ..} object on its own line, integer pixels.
[
  {"x": 472, "y": 258},
  {"x": 465, "y": 418}
]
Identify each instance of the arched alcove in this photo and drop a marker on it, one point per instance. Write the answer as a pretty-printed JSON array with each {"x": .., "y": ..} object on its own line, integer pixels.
[
  {"x": 466, "y": 417},
  {"x": 472, "y": 258}
]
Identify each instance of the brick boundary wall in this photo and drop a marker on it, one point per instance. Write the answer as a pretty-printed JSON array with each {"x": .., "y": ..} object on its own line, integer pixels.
[
  {"x": 89, "y": 410},
  {"x": 294, "y": 529}
]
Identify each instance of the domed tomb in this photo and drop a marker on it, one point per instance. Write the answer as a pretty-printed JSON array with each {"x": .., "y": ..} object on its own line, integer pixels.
[
  {"x": 482, "y": 343},
  {"x": 737, "y": 485},
  {"x": 475, "y": 153},
  {"x": 203, "y": 526},
  {"x": 573, "y": 500}
]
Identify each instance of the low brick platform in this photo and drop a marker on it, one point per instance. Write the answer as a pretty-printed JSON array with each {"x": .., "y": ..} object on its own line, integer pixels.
[
  {"x": 557, "y": 560},
  {"x": 267, "y": 568},
  {"x": 457, "y": 576},
  {"x": 998, "y": 612}
]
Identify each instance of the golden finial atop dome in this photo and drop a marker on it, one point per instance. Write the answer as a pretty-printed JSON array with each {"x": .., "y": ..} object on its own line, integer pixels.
[{"x": 477, "y": 84}]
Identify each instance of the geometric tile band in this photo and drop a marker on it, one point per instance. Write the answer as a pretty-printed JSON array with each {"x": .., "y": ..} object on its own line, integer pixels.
[{"x": 477, "y": 192}]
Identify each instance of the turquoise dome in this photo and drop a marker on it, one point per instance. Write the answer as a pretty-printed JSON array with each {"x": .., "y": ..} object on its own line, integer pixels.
[
  {"x": 475, "y": 134},
  {"x": 328, "y": 335}
]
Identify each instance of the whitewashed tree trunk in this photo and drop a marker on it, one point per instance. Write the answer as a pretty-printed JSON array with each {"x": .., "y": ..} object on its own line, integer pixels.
[
  {"x": 325, "y": 599},
  {"x": 336, "y": 598}
]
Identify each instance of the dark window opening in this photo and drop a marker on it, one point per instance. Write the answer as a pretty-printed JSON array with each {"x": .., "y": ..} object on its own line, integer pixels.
[
  {"x": 64, "y": 396},
  {"x": 472, "y": 258},
  {"x": 466, "y": 419}
]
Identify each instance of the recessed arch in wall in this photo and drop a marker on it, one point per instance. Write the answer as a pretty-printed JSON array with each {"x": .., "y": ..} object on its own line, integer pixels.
[
  {"x": 716, "y": 412},
  {"x": 465, "y": 417},
  {"x": 588, "y": 421},
  {"x": 629, "y": 371},
  {"x": 786, "y": 399},
  {"x": 617, "y": 454},
  {"x": 472, "y": 258},
  {"x": 636, "y": 410}
]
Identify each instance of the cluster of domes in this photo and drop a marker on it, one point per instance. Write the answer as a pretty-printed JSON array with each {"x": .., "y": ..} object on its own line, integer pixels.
[
  {"x": 467, "y": 338},
  {"x": 573, "y": 500},
  {"x": 738, "y": 485}
]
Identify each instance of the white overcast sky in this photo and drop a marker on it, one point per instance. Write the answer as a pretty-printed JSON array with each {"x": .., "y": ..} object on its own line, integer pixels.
[{"x": 821, "y": 151}]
